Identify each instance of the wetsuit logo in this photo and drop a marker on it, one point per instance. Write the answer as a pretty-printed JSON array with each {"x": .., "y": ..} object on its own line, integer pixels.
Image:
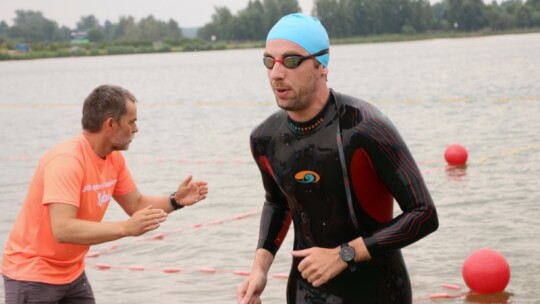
[{"x": 307, "y": 177}]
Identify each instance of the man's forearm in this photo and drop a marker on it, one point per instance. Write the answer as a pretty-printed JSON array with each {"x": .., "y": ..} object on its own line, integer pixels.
[{"x": 263, "y": 260}]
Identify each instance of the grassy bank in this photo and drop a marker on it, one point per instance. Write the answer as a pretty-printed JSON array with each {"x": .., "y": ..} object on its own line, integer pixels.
[{"x": 63, "y": 49}]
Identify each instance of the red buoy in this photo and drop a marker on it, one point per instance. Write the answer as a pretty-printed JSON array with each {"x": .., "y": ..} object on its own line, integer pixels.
[
  {"x": 486, "y": 271},
  {"x": 456, "y": 155}
]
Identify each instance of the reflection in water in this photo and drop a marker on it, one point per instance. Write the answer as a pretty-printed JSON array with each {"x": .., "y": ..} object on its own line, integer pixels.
[
  {"x": 456, "y": 173},
  {"x": 496, "y": 298}
]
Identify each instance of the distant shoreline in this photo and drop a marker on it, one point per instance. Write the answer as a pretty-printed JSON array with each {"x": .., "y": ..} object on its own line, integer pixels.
[{"x": 63, "y": 50}]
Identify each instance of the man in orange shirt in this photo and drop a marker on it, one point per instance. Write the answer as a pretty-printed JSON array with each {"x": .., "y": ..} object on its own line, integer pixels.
[{"x": 67, "y": 198}]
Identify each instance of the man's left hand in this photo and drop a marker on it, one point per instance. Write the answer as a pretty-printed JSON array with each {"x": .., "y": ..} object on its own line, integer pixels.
[{"x": 319, "y": 264}]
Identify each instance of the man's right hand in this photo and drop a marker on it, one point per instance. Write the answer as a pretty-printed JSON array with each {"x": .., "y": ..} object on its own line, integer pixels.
[
  {"x": 250, "y": 290},
  {"x": 144, "y": 220}
]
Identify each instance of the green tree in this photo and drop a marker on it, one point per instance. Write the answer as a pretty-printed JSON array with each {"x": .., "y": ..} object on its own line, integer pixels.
[
  {"x": 275, "y": 9},
  {"x": 496, "y": 18},
  {"x": 87, "y": 23},
  {"x": 220, "y": 27},
  {"x": 4, "y": 28},
  {"x": 421, "y": 16},
  {"x": 150, "y": 29},
  {"x": 333, "y": 16},
  {"x": 125, "y": 30},
  {"x": 248, "y": 25},
  {"x": 90, "y": 25},
  {"x": 466, "y": 15},
  {"x": 32, "y": 26},
  {"x": 172, "y": 30},
  {"x": 96, "y": 34},
  {"x": 251, "y": 23}
]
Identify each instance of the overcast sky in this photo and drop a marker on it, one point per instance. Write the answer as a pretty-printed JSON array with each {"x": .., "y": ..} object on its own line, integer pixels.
[{"x": 188, "y": 13}]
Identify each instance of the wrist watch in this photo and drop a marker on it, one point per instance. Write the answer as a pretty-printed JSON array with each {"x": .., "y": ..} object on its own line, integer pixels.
[
  {"x": 346, "y": 253},
  {"x": 173, "y": 202}
]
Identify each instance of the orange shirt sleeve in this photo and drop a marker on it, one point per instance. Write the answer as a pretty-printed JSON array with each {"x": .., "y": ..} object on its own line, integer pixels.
[
  {"x": 63, "y": 177},
  {"x": 125, "y": 182}
]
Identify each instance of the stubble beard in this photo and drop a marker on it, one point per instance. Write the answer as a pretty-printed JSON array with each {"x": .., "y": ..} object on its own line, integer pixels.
[
  {"x": 121, "y": 144},
  {"x": 300, "y": 101}
]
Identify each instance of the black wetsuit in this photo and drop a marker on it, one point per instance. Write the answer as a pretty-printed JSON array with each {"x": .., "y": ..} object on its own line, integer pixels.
[{"x": 302, "y": 171}]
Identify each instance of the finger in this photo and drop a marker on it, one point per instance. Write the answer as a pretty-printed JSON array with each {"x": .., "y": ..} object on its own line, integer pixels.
[
  {"x": 152, "y": 226},
  {"x": 202, "y": 183},
  {"x": 187, "y": 180},
  {"x": 154, "y": 223},
  {"x": 155, "y": 214},
  {"x": 250, "y": 295},
  {"x": 317, "y": 283},
  {"x": 302, "y": 267},
  {"x": 301, "y": 253}
]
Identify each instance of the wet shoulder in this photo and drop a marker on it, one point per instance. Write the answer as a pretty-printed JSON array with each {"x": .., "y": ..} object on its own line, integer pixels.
[
  {"x": 356, "y": 111},
  {"x": 270, "y": 125}
]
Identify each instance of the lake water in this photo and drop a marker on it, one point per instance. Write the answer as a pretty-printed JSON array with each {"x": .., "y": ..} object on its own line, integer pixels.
[{"x": 196, "y": 111}]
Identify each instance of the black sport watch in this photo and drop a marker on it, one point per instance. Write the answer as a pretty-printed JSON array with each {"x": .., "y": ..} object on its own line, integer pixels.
[{"x": 346, "y": 253}]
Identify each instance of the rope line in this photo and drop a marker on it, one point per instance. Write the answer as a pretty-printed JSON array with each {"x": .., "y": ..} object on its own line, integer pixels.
[
  {"x": 201, "y": 161},
  {"x": 162, "y": 235}
]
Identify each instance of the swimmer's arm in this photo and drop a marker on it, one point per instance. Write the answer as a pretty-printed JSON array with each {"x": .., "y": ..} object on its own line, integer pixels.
[
  {"x": 361, "y": 252},
  {"x": 262, "y": 262},
  {"x": 251, "y": 289},
  {"x": 395, "y": 165}
]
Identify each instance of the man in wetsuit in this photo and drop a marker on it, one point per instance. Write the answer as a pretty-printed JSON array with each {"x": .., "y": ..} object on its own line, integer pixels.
[{"x": 333, "y": 165}]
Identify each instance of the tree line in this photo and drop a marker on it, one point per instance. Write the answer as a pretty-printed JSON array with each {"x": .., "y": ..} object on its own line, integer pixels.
[
  {"x": 342, "y": 18},
  {"x": 32, "y": 26},
  {"x": 353, "y": 18}
]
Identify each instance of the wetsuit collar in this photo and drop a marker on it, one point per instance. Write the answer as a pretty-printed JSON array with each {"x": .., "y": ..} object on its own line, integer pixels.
[{"x": 315, "y": 122}]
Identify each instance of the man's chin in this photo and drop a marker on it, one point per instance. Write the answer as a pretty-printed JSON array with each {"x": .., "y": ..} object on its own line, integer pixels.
[
  {"x": 284, "y": 104},
  {"x": 121, "y": 148}
]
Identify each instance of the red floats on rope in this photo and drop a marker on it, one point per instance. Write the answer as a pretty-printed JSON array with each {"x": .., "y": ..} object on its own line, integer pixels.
[
  {"x": 280, "y": 275},
  {"x": 103, "y": 266},
  {"x": 486, "y": 271},
  {"x": 456, "y": 155},
  {"x": 171, "y": 270},
  {"x": 208, "y": 269}
]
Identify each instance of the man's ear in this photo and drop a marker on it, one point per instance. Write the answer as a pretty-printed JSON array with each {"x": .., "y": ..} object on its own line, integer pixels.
[
  {"x": 108, "y": 123},
  {"x": 324, "y": 72}
]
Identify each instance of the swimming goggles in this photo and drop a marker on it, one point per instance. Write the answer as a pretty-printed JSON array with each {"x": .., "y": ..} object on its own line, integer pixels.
[{"x": 292, "y": 61}]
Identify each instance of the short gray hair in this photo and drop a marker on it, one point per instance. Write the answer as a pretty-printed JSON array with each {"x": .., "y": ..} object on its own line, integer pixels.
[{"x": 104, "y": 102}]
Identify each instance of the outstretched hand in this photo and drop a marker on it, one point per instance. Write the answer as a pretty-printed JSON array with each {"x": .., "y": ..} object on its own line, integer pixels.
[
  {"x": 144, "y": 220},
  {"x": 189, "y": 193}
]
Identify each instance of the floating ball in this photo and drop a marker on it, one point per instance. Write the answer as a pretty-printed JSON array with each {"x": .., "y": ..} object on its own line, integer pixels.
[
  {"x": 486, "y": 271},
  {"x": 456, "y": 155}
]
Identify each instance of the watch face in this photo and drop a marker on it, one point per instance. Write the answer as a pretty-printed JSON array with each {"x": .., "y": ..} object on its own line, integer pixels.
[{"x": 346, "y": 253}]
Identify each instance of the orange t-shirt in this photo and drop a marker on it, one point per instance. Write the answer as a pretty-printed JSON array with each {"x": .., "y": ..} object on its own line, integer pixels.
[{"x": 70, "y": 173}]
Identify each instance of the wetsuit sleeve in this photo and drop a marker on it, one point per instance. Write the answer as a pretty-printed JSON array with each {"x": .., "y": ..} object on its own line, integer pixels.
[
  {"x": 394, "y": 164},
  {"x": 276, "y": 215}
]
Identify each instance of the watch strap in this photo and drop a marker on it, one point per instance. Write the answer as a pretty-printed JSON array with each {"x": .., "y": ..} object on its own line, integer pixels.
[{"x": 173, "y": 202}]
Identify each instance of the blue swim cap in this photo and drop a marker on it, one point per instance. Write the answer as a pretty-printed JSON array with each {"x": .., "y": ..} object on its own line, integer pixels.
[{"x": 306, "y": 31}]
